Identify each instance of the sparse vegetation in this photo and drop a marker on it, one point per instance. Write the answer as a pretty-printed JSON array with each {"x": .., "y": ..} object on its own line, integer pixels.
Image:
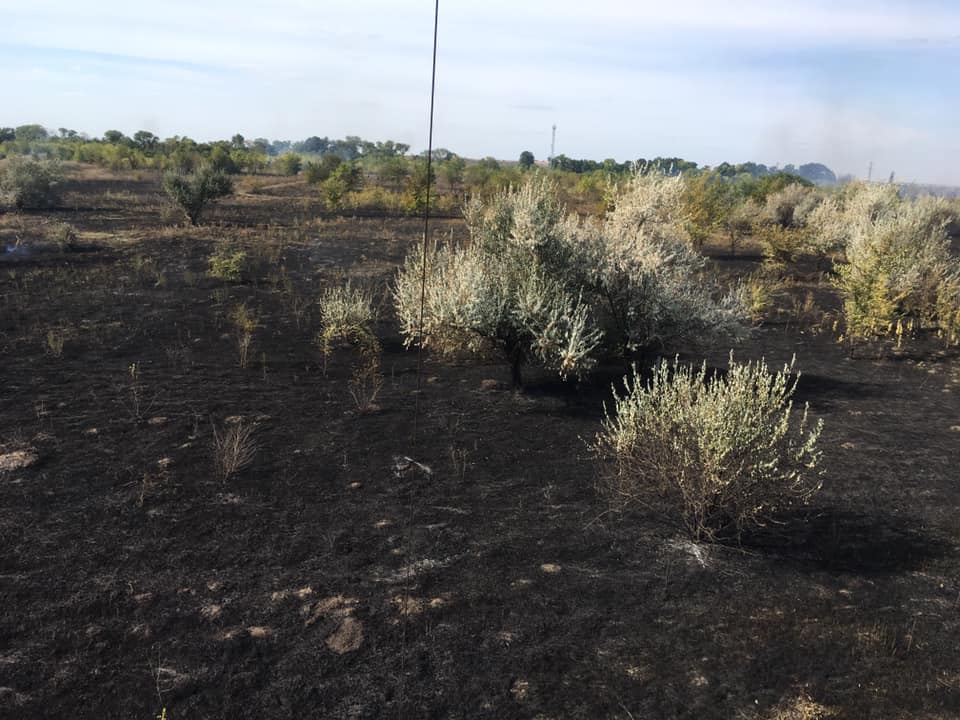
[{"x": 385, "y": 491}]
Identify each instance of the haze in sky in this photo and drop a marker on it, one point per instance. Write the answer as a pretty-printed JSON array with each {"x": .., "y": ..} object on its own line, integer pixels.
[{"x": 842, "y": 82}]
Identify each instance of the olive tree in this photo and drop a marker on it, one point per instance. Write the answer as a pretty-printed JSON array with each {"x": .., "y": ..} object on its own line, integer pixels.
[{"x": 544, "y": 287}]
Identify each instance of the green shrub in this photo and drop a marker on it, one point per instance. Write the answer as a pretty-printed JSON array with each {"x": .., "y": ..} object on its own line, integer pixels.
[
  {"x": 721, "y": 453},
  {"x": 192, "y": 192},
  {"x": 316, "y": 172},
  {"x": 31, "y": 184},
  {"x": 227, "y": 264},
  {"x": 347, "y": 314},
  {"x": 289, "y": 164},
  {"x": 899, "y": 271},
  {"x": 346, "y": 178}
]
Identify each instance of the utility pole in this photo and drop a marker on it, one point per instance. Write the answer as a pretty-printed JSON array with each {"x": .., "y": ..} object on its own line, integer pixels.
[
  {"x": 553, "y": 143},
  {"x": 870, "y": 171}
]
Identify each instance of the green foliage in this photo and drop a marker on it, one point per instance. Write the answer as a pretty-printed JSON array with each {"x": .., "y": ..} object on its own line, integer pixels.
[
  {"x": 289, "y": 164},
  {"x": 316, "y": 171},
  {"x": 227, "y": 264},
  {"x": 30, "y": 184},
  {"x": 721, "y": 452},
  {"x": 347, "y": 315},
  {"x": 526, "y": 160},
  {"x": 222, "y": 160},
  {"x": 31, "y": 133},
  {"x": 780, "y": 245},
  {"x": 759, "y": 189},
  {"x": 392, "y": 170},
  {"x": 452, "y": 171},
  {"x": 418, "y": 184},
  {"x": 708, "y": 202},
  {"x": 899, "y": 272},
  {"x": 192, "y": 192},
  {"x": 345, "y": 179}
]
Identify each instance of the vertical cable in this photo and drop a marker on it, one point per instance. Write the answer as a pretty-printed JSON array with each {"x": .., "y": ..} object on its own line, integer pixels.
[
  {"x": 426, "y": 227},
  {"x": 423, "y": 302}
]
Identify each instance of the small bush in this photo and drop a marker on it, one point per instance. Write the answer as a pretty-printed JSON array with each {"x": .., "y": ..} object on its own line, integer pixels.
[
  {"x": 347, "y": 315},
  {"x": 227, "y": 264},
  {"x": 233, "y": 449},
  {"x": 192, "y": 192},
  {"x": 723, "y": 453},
  {"x": 31, "y": 184}
]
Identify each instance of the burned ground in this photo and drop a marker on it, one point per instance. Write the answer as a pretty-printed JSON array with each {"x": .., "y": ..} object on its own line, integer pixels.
[{"x": 328, "y": 579}]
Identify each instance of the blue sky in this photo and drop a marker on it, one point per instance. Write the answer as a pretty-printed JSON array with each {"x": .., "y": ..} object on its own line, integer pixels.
[{"x": 842, "y": 82}]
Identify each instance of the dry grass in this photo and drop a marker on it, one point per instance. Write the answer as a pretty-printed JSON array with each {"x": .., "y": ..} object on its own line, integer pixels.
[{"x": 233, "y": 449}]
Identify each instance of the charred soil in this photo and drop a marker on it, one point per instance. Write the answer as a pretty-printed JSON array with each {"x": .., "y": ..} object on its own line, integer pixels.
[{"x": 365, "y": 565}]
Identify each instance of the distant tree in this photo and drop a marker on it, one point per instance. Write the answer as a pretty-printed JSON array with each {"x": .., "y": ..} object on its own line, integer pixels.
[
  {"x": 768, "y": 184},
  {"x": 817, "y": 173},
  {"x": 392, "y": 170},
  {"x": 262, "y": 146},
  {"x": 314, "y": 145},
  {"x": 348, "y": 148},
  {"x": 440, "y": 154},
  {"x": 346, "y": 178},
  {"x": 390, "y": 149},
  {"x": 278, "y": 147},
  {"x": 7, "y": 134},
  {"x": 526, "y": 159},
  {"x": 31, "y": 133},
  {"x": 289, "y": 164},
  {"x": 67, "y": 134},
  {"x": 145, "y": 140},
  {"x": 453, "y": 170},
  {"x": 222, "y": 160},
  {"x": 115, "y": 137},
  {"x": 192, "y": 192},
  {"x": 318, "y": 171},
  {"x": 417, "y": 186},
  {"x": 238, "y": 142}
]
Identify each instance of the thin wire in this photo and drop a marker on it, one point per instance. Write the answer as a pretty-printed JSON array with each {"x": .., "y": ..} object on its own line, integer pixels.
[
  {"x": 426, "y": 228},
  {"x": 423, "y": 303}
]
